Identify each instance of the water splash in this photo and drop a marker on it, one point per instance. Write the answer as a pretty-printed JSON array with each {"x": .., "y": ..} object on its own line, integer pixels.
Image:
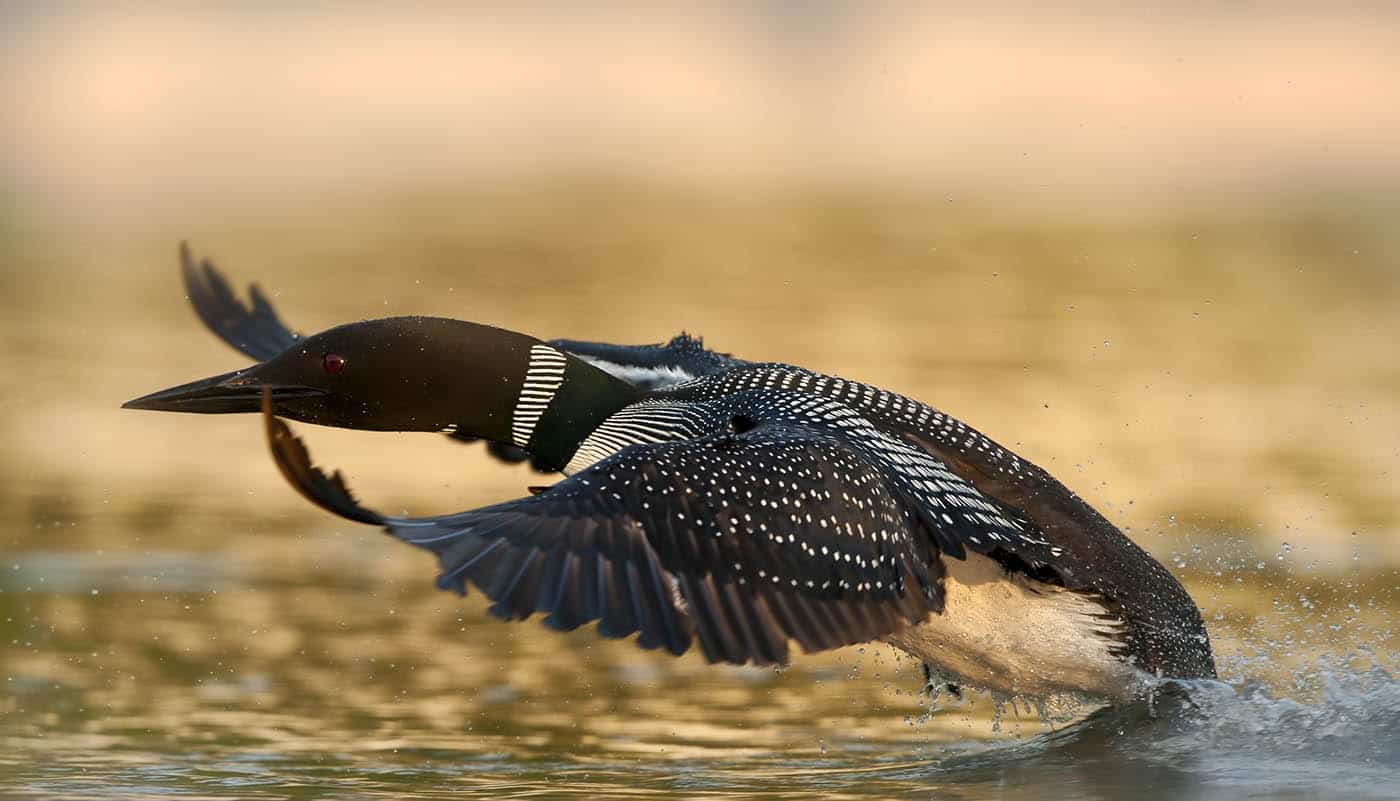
[
  {"x": 1204, "y": 739},
  {"x": 1353, "y": 726}
]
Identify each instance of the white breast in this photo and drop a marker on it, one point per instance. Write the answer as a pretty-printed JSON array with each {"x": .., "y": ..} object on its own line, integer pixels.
[{"x": 1014, "y": 635}]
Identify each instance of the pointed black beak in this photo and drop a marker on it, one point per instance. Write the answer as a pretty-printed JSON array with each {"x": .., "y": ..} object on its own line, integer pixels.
[{"x": 231, "y": 393}]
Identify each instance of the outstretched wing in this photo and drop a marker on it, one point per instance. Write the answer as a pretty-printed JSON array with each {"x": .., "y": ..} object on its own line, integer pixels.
[
  {"x": 254, "y": 330},
  {"x": 1053, "y": 534},
  {"x": 740, "y": 540}
]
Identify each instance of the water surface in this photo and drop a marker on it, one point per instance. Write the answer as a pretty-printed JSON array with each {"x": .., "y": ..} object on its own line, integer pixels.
[{"x": 174, "y": 621}]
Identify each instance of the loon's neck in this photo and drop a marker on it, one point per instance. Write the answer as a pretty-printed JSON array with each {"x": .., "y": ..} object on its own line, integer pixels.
[{"x": 558, "y": 401}]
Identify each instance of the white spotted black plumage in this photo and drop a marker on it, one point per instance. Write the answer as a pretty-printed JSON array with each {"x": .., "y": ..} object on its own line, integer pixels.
[
  {"x": 782, "y": 531},
  {"x": 969, "y": 492},
  {"x": 765, "y": 503},
  {"x": 955, "y": 511},
  {"x": 1059, "y": 538},
  {"x": 769, "y": 515}
]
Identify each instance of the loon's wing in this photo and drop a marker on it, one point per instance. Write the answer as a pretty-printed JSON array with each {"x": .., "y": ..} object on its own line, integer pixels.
[
  {"x": 254, "y": 330},
  {"x": 1167, "y": 634},
  {"x": 664, "y": 540},
  {"x": 1089, "y": 553}
]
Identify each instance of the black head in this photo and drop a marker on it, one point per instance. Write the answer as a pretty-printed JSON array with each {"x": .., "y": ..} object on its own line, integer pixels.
[{"x": 396, "y": 374}]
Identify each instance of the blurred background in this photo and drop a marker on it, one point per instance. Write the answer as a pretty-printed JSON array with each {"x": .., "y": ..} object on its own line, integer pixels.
[{"x": 1153, "y": 251}]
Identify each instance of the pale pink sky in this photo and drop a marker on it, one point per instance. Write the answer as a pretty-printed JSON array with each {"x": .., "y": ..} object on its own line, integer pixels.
[{"x": 148, "y": 107}]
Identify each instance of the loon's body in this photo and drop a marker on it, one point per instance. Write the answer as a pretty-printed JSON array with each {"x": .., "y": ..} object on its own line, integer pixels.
[{"x": 733, "y": 504}]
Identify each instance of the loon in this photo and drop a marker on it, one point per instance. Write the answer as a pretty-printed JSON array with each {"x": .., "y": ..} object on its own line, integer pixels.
[{"x": 707, "y": 499}]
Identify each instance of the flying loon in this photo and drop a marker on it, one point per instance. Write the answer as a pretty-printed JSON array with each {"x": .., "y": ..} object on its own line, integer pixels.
[{"x": 732, "y": 504}]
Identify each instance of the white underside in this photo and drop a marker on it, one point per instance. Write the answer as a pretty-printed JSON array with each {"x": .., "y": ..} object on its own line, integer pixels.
[{"x": 1017, "y": 636}]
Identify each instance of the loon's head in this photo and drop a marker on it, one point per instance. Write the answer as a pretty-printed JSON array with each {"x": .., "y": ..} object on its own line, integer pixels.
[{"x": 411, "y": 374}]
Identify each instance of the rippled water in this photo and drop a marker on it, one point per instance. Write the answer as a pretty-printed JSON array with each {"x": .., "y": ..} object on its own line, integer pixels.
[
  {"x": 174, "y": 621},
  {"x": 328, "y": 667},
  {"x": 198, "y": 652}
]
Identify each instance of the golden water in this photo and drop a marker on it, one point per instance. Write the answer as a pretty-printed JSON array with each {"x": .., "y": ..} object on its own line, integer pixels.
[{"x": 174, "y": 620}]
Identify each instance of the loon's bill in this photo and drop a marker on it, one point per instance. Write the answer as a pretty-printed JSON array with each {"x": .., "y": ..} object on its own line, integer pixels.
[{"x": 732, "y": 505}]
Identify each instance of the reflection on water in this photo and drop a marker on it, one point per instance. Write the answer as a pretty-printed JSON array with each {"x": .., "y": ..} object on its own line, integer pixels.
[
  {"x": 323, "y": 659},
  {"x": 174, "y": 621}
]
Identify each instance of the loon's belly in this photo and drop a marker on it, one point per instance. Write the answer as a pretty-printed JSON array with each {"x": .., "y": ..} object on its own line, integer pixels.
[{"x": 1014, "y": 635}]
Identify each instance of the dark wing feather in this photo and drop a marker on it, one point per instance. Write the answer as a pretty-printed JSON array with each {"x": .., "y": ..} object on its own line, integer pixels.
[
  {"x": 254, "y": 330},
  {"x": 685, "y": 540},
  {"x": 652, "y": 366},
  {"x": 328, "y": 492}
]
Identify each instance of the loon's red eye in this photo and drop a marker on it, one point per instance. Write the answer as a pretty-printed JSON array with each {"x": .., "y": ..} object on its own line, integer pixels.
[{"x": 333, "y": 363}]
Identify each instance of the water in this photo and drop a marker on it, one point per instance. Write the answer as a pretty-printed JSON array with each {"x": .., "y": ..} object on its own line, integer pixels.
[
  {"x": 174, "y": 621},
  {"x": 331, "y": 671},
  {"x": 274, "y": 655}
]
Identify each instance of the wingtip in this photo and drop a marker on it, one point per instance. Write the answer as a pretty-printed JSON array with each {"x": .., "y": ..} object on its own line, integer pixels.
[
  {"x": 293, "y": 460},
  {"x": 187, "y": 266},
  {"x": 255, "y": 331}
]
